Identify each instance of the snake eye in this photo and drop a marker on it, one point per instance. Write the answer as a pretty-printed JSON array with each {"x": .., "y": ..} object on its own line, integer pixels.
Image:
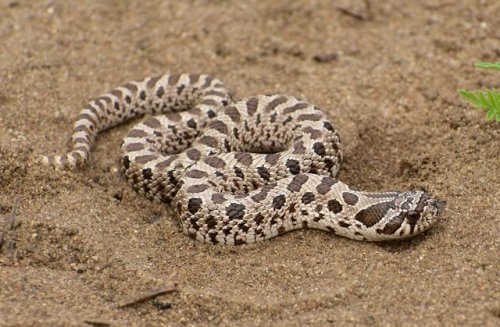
[{"x": 413, "y": 216}]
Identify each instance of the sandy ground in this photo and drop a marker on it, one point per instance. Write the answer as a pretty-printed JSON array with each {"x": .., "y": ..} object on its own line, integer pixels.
[{"x": 83, "y": 242}]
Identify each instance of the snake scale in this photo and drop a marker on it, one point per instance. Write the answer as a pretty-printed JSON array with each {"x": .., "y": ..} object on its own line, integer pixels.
[{"x": 240, "y": 172}]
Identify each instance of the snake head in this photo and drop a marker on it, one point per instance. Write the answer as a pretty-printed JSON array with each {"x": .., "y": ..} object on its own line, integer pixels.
[{"x": 416, "y": 212}]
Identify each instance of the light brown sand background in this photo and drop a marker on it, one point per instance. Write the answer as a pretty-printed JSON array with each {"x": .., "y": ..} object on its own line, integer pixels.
[{"x": 75, "y": 250}]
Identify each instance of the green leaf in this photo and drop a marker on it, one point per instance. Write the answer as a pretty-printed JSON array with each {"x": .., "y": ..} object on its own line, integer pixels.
[
  {"x": 473, "y": 97},
  {"x": 490, "y": 115},
  {"x": 488, "y": 99},
  {"x": 492, "y": 99},
  {"x": 489, "y": 65}
]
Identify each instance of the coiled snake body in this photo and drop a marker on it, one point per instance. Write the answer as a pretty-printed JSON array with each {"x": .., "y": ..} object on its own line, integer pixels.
[{"x": 240, "y": 172}]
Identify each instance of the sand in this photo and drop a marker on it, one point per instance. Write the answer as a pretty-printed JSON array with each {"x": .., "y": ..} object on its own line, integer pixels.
[{"x": 76, "y": 245}]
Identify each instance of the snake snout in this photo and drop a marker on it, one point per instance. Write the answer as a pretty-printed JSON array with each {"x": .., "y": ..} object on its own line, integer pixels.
[{"x": 439, "y": 205}]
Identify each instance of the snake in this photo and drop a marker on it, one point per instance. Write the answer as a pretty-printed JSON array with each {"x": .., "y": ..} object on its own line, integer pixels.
[{"x": 239, "y": 172}]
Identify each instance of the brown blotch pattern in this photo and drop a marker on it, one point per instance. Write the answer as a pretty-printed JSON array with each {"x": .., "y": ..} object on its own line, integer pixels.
[
  {"x": 308, "y": 197},
  {"x": 244, "y": 158},
  {"x": 218, "y": 198},
  {"x": 272, "y": 158},
  {"x": 174, "y": 116},
  {"x": 392, "y": 226},
  {"x": 292, "y": 109},
  {"x": 310, "y": 117},
  {"x": 219, "y": 126},
  {"x": 350, "y": 198},
  {"x": 252, "y": 104},
  {"x": 146, "y": 158},
  {"x": 195, "y": 173},
  {"x": 134, "y": 147},
  {"x": 173, "y": 79},
  {"x": 325, "y": 185},
  {"x": 233, "y": 113},
  {"x": 215, "y": 162},
  {"x": 334, "y": 206},
  {"x": 372, "y": 215},
  {"x": 152, "y": 123},
  {"x": 313, "y": 133},
  {"x": 152, "y": 82},
  {"x": 137, "y": 133},
  {"x": 279, "y": 202},
  {"x": 165, "y": 163},
  {"x": 275, "y": 102},
  {"x": 209, "y": 141},
  {"x": 193, "y": 154},
  {"x": 235, "y": 211},
  {"x": 297, "y": 182},
  {"x": 197, "y": 188}
]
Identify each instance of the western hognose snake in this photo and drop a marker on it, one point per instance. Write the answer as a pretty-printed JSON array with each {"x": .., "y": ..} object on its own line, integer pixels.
[{"x": 240, "y": 172}]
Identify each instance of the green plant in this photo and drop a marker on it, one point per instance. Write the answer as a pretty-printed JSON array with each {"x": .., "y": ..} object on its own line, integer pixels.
[{"x": 486, "y": 99}]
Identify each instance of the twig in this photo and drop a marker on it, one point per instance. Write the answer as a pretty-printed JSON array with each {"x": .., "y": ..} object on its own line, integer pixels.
[
  {"x": 97, "y": 323},
  {"x": 361, "y": 16},
  {"x": 148, "y": 295}
]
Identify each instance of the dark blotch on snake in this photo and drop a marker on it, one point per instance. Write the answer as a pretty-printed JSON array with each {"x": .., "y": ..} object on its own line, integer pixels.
[
  {"x": 191, "y": 123},
  {"x": 344, "y": 224},
  {"x": 275, "y": 102},
  {"x": 227, "y": 146},
  {"x": 195, "y": 173},
  {"x": 297, "y": 182},
  {"x": 295, "y": 107},
  {"x": 293, "y": 166},
  {"x": 235, "y": 211},
  {"x": 215, "y": 162},
  {"x": 252, "y": 104},
  {"x": 244, "y": 158},
  {"x": 264, "y": 173},
  {"x": 211, "y": 222},
  {"x": 209, "y": 141},
  {"x": 180, "y": 88},
  {"x": 326, "y": 185},
  {"x": 147, "y": 173},
  {"x": 193, "y": 154},
  {"x": 279, "y": 202},
  {"x": 319, "y": 148},
  {"x": 218, "y": 198},
  {"x": 372, "y": 215},
  {"x": 350, "y": 198},
  {"x": 219, "y": 126},
  {"x": 160, "y": 92},
  {"x": 258, "y": 218},
  {"x": 392, "y": 226},
  {"x": 126, "y": 162},
  {"x": 334, "y": 206},
  {"x": 239, "y": 173},
  {"x": 328, "y": 126},
  {"x": 308, "y": 197},
  {"x": 197, "y": 188},
  {"x": 272, "y": 158},
  {"x": 194, "y": 205},
  {"x": 233, "y": 113},
  {"x": 236, "y": 133}
]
